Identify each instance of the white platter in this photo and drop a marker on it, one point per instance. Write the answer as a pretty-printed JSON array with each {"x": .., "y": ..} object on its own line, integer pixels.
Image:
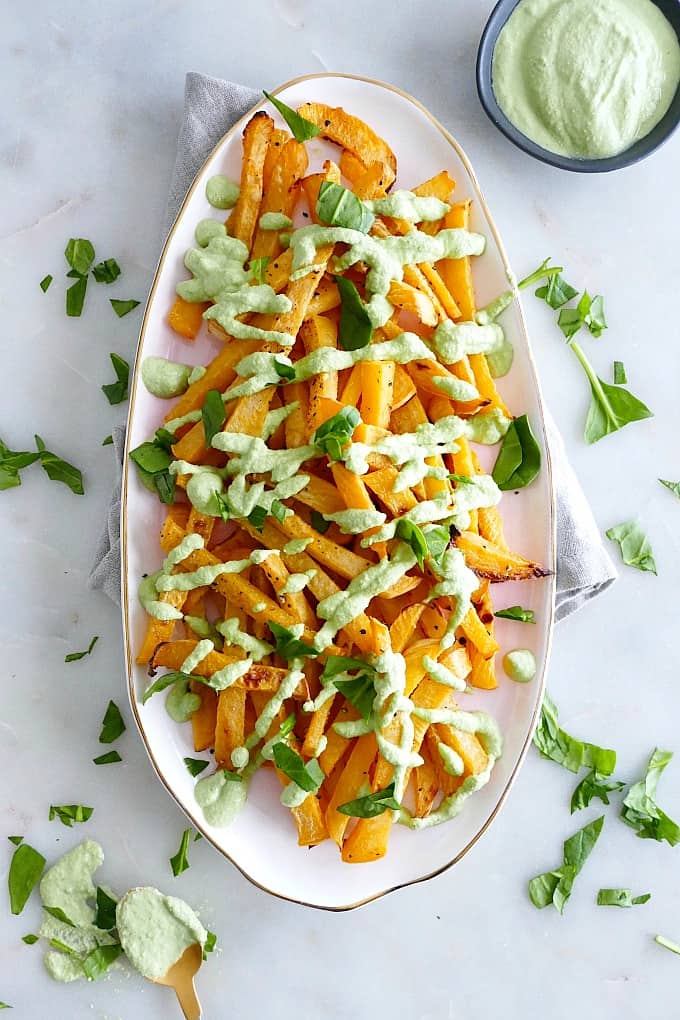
[{"x": 262, "y": 841}]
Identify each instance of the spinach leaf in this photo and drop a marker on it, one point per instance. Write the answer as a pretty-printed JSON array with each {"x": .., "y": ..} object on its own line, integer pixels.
[
  {"x": 301, "y": 128},
  {"x": 555, "y": 743},
  {"x": 640, "y": 810},
  {"x": 593, "y": 785},
  {"x": 556, "y": 292},
  {"x": 372, "y": 805},
  {"x": 339, "y": 207},
  {"x": 122, "y": 308},
  {"x": 556, "y": 886},
  {"x": 110, "y": 758},
  {"x": 634, "y": 545},
  {"x": 75, "y": 297},
  {"x": 11, "y": 462},
  {"x": 107, "y": 271},
  {"x": 25, "y": 872},
  {"x": 152, "y": 460},
  {"x": 611, "y": 407},
  {"x": 308, "y": 776},
  {"x": 100, "y": 959},
  {"x": 355, "y": 330},
  {"x": 519, "y": 458},
  {"x": 620, "y": 898}
]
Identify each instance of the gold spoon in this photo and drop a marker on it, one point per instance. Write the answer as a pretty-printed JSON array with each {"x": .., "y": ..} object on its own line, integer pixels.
[{"x": 181, "y": 978}]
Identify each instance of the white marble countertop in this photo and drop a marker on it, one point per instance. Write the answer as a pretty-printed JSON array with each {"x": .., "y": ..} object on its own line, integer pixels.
[{"x": 90, "y": 116}]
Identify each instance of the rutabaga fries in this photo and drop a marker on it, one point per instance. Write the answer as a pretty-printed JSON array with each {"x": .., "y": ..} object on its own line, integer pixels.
[{"x": 311, "y": 572}]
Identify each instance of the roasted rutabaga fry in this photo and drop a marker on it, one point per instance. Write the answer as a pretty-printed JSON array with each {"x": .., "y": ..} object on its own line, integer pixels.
[{"x": 330, "y": 540}]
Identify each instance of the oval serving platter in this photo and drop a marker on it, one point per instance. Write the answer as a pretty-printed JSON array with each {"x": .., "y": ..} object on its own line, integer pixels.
[{"x": 262, "y": 841}]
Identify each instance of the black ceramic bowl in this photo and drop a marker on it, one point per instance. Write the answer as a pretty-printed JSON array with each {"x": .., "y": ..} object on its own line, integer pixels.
[{"x": 642, "y": 148}]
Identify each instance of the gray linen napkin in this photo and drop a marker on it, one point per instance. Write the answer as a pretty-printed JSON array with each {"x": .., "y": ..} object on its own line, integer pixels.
[{"x": 584, "y": 568}]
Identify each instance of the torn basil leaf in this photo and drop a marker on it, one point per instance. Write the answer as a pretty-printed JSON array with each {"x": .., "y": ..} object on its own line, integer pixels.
[
  {"x": 70, "y": 813},
  {"x": 634, "y": 545},
  {"x": 640, "y": 810},
  {"x": 519, "y": 458},
  {"x": 414, "y": 537},
  {"x": 594, "y": 785},
  {"x": 25, "y": 872},
  {"x": 355, "y": 329},
  {"x": 372, "y": 805},
  {"x": 619, "y": 373},
  {"x": 673, "y": 486},
  {"x": 620, "y": 898},
  {"x": 79, "y": 254},
  {"x": 213, "y": 414},
  {"x": 339, "y": 207},
  {"x": 287, "y": 645},
  {"x": 122, "y": 308},
  {"x": 112, "y": 724},
  {"x": 196, "y": 765},
  {"x": 107, "y": 271},
  {"x": 307, "y": 775},
  {"x": 555, "y": 743},
  {"x": 117, "y": 392},
  {"x": 179, "y": 862},
  {"x": 45, "y": 283},
  {"x": 301, "y": 128},
  {"x": 336, "y": 433},
  {"x": 516, "y": 613},
  {"x": 75, "y": 297},
  {"x": 105, "y": 918},
  {"x": 110, "y": 758},
  {"x": 556, "y": 886},
  {"x": 58, "y": 470},
  {"x": 75, "y": 656}
]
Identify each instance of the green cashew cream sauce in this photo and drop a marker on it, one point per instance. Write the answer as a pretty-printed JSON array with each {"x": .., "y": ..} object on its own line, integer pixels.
[
  {"x": 586, "y": 78},
  {"x": 164, "y": 378},
  {"x": 221, "y": 192},
  {"x": 520, "y": 665},
  {"x": 155, "y": 930}
]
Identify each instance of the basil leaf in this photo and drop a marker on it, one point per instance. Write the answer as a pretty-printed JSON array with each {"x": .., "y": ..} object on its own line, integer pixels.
[
  {"x": 438, "y": 540},
  {"x": 319, "y": 523},
  {"x": 112, "y": 724},
  {"x": 611, "y": 407},
  {"x": 673, "y": 486},
  {"x": 667, "y": 944},
  {"x": 288, "y": 725},
  {"x": 105, "y": 918},
  {"x": 594, "y": 317},
  {"x": 63, "y": 948},
  {"x": 541, "y": 273},
  {"x": 570, "y": 322},
  {"x": 593, "y": 785},
  {"x": 257, "y": 517},
  {"x": 25, "y": 872},
  {"x": 9, "y": 478},
  {"x": 556, "y": 292},
  {"x": 640, "y": 810},
  {"x": 196, "y": 765},
  {"x": 108, "y": 441},
  {"x": 519, "y": 459},
  {"x": 17, "y": 840},
  {"x": 336, "y": 664},
  {"x": 555, "y": 743},
  {"x": 283, "y": 370},
  {"x": 634, "y": 545},
  {"x": 110, "y": 758},
  {"x": 372, "y": 805},
  {"x": 73, "y": 274},
  {"x": 258, "y": 267},
  {"x": 287, "y": 645},
  {"x": 59, "y": 915},
  {"x": 620, "y": 898},
  {"x": 122, "y": 308},
  {"x": 58, "y": 470},
  {"x": 279, "y": 510},
  {"x": 107, "y": 271},
  {"x": 556, "y": 886},
  {"x": 99, "y": 960},
  {"x": 213, "y": 415},
  {"x": 117, "y": 392},
  {"x": 75, "y": 656},
  {"x": 292, "y": 765},
  {"x": 301, "y": 128},
  {"x": 151, "y": 457},
  {"x": 167, "y": 680},
  {"x": 180, "y": 861},
  {"x": 210, "y": 943},
  {"x": 75, "y": 297},
  {"x": 30, "y": 940},
  {"x": 339, "y": 207},
  {"x": 360, "y": 692},
  {"x": 414, "y": 537},
  {"x": 164, "y": 439},
  {"x": 70, "y": 813},
  {"x": 516, "y": 613},
  {"x": 336, "y": 433},
  {"x": 152, "y": 460},
  {"x": 3, "y": 1005},
  {"x": 355, "y": 330},
  {"x": 11, "y": 462},
  {"x": 79, "y": 254},
  {"x": 619, "y": 373},
  {"x": 45, "y": 283}
]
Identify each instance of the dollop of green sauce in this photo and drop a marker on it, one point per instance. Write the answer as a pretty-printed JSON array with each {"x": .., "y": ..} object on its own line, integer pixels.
[
  {"x": 222, "y": 192},
  {"x": 520, "y": 665},
  {"x": 164, "y": 378},
  {"x": 586, "y": 79},
  {"x": 221, "y": 797},
  {"x": 155, "y": 930}
]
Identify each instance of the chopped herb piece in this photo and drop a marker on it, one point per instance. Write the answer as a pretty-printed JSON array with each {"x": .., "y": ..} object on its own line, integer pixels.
[
  {"x": 11, "y": 462},
  {"x": 292, "y": 765},
  {"x": 70, "y": 813},
  {"x": 112, "y": 724},
  {"x": 519, "y": 459},
  {"x": 107, "y": 271},
  {"x": 640, "y": 810},
  {"x": 79, "y": 255},
  {"x": 556, "y": 886},
  {"x": 75, "y": 297},
  {"x": 589, "y": 312},
  {"x": 460, "y": 479},
  {"x": 355, "y": 329},
  {"x": 258, "y": 267},
  {"x": 634, "y": 545},
  {"x": 75, "y": 656},
  {"x": 108, "y": 441},
  {"x": 414, "y": 537},
  {"x": 541, "y": 273},
  {"x": 556, "y": 292},
  {"x": 620, "y": 898},
  {"x": 117, "y": 392},
  {"x": 283, "y": 370},
  {"x": 180, "y": 861},
  {"x": 100, "y": 959},
  {"x": 105, "y": 918},
  {"x": 593, "y": 785},
  {"x": 279, "y": 510},
  {"x": 667, "y": 944},
  {"x": 24, "y": 874},
  {"x": 673, "y": 486},
  {"x": 358, "y": 690},
  {"x": 110, "y": 758},
  {"x": 30, "y": 940},
  {"x": 122, "y": 308},
  {"x": 210, "y": 943},
  {"x": 165, "y": 681},
  {"x": 196, "y": 765},
  {"x": 301, "y": 128},
  {"x": 619, "y": 373},
  {"x": 438, "y": 540},
  {"x": 17, "y": 840},
  {"x": 288, "y": 725},
  {"x": 372, "y": 805},
  {"x": 257, "y": 517},
  {"x": 555, "y": 743},
  {"x": 287, "y": 645},
  {"x": 336, "y": 433},
  {"x": 62, "y": 947},
  {"x": 213, "y": 415},
  {"x": 152, "y": 460},
  {"x": 339, "y": 207},
  {"x": 516, "y": 613},
  {"x": 45, "y": 283},
  {"x": 58, "y": 470},
  {"x": 319, "y": 523},
  {"x": 59, "y": 915}
]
